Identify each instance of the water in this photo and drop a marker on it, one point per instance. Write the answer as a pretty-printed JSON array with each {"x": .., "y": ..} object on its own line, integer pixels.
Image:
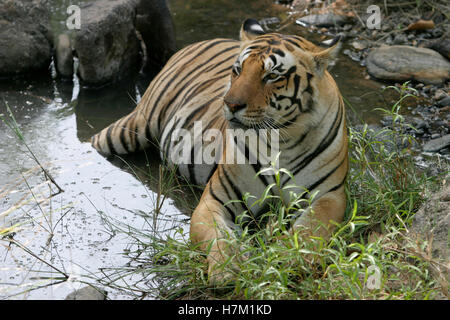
[{"x": 70, "y": 231}]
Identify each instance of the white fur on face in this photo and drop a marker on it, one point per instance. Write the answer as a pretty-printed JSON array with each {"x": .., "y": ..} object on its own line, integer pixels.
[{"x": 285, "y": 63}]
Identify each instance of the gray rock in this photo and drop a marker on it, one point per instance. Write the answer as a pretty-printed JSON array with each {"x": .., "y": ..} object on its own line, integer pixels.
[
  {"x": 432, "y": 221},
  {"x": 87, "y": 293},
  {"x": 359, "y": 45},
  {"x": 444, "y": 102},
  {"x": 25, "y": 36},
  {"x": 437, "y": 144},
  {"x": 420, "y": 124},
  {"x": 402, "y": 63},
  {"x": 442, "y": 46},
  {"x": 439, "y": 94},
  {"x": 323, "y": 20},
  {"x": 64, "y": 56},
  {"x": 106, "y": 44},
  {"x": 154, "y": 23},
  {"x": 400, "y": 39}
]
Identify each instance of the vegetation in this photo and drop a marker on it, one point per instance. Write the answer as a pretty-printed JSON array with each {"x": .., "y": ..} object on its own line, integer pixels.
[{"x": 371, "y": 255}]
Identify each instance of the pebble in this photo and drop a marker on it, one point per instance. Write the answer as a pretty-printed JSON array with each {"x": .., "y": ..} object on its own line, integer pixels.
[
  {"x": 87, "y": 293},
  {"x": 358, "y": 45},
  {"x": 437, "y": 144},
  {"x": 400, "y": 39},
  {"x": 444, "y": 102}
]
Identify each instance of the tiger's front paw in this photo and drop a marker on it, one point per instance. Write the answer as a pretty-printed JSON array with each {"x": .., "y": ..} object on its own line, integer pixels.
[{"x": 221, "y": 270}]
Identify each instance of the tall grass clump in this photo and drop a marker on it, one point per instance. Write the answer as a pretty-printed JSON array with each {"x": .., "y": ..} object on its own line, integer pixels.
[{"x": 371, "y": 254}]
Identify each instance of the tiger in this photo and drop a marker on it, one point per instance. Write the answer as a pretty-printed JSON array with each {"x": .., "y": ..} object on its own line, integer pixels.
[{"x": 261, "y": 81}]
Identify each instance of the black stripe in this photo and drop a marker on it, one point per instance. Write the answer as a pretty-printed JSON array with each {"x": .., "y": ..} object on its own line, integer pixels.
[
  {"x": 187, "y": 124},
  {"x": 212, "y": 172},
  {"x": 321, "y": 180},
  {"x": 278, "y": 52},
  {"x": 163, "y": 90},
  {"x": 230, "y": 211},
  {"x": 172, "y": 65},
  {"x": 274, "y": 60},
  {"x": 137, "y": 144},
  {"x": 227, "y": 59},
  {"x": 256, "y": 166},
  {"x": 166, "y": 144},
  {"x": 189, "y": 82},
  {"x": 235, "y": 189},
  {"x": 122, "y": 139},
  {"x": 294, "y": 43},
  {"x": 148, "y": 134},
  {"x": 308, "y": 87},
  {"x": 109, "y": 141},
  {"x": 191, "y": 165},
  {"x": 297, "y": 142},
  {"x": 338, "y": 186},
  {"x": 294, "y": 96},
  {"x": 329, "y": 138},
  {"x": 289, "y": 113}
]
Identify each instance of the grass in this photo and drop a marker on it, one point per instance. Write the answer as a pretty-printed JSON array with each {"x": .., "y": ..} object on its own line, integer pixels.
[
  {"x": 371, "y": 255},
  {"x": 37, "y": 196}
]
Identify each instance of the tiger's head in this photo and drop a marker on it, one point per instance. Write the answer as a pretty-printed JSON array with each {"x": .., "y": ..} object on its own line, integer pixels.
[{"x": 276, "y": 78}]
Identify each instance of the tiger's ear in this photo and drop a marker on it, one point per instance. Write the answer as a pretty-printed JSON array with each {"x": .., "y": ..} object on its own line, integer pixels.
[
  {"x": 322, "y": 58},
  {"x": 250, "y": 30}
]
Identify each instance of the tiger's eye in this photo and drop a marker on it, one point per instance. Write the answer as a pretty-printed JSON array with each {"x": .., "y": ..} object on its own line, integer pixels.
[{"x": 271, "y": 76}]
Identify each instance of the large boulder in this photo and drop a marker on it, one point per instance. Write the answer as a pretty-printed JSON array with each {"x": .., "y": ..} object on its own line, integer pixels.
[
  {"x": 25, "y": 36},
  {"x": 402, "y": 63},
  {"x": 106, "y": 44},
  {"x": 432, "y": 223},
  {"x": 154, "y": 23}
]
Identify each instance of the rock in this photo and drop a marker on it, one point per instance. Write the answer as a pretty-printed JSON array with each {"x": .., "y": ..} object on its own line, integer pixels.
[
  {"x": 435, "y": 135},
  {"x": 439, "y": 94},
  {"x": 87, "y": 293},
  {"x": 433, "y": 220},
  {"x": 25, "y": 36},
  {"x": 437, "y": 144},
  {"x": 402, "y": 63},
  {"x": 106, "y": 44},
  {"x": 154, "y": 23},
  {"x": 420, "y": 124},
  {"x": 444, "y": 102},
  {"x": 400, "y": 39},
  {"x": 442, "y": 46},
  {"x": 64, "y": 56},
  {"x": 359, "y": 45},
  {"x": 323, "y": 20}
]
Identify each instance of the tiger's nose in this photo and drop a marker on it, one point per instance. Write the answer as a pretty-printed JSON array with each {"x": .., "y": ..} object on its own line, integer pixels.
[{"x": 234, "y": 107}]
